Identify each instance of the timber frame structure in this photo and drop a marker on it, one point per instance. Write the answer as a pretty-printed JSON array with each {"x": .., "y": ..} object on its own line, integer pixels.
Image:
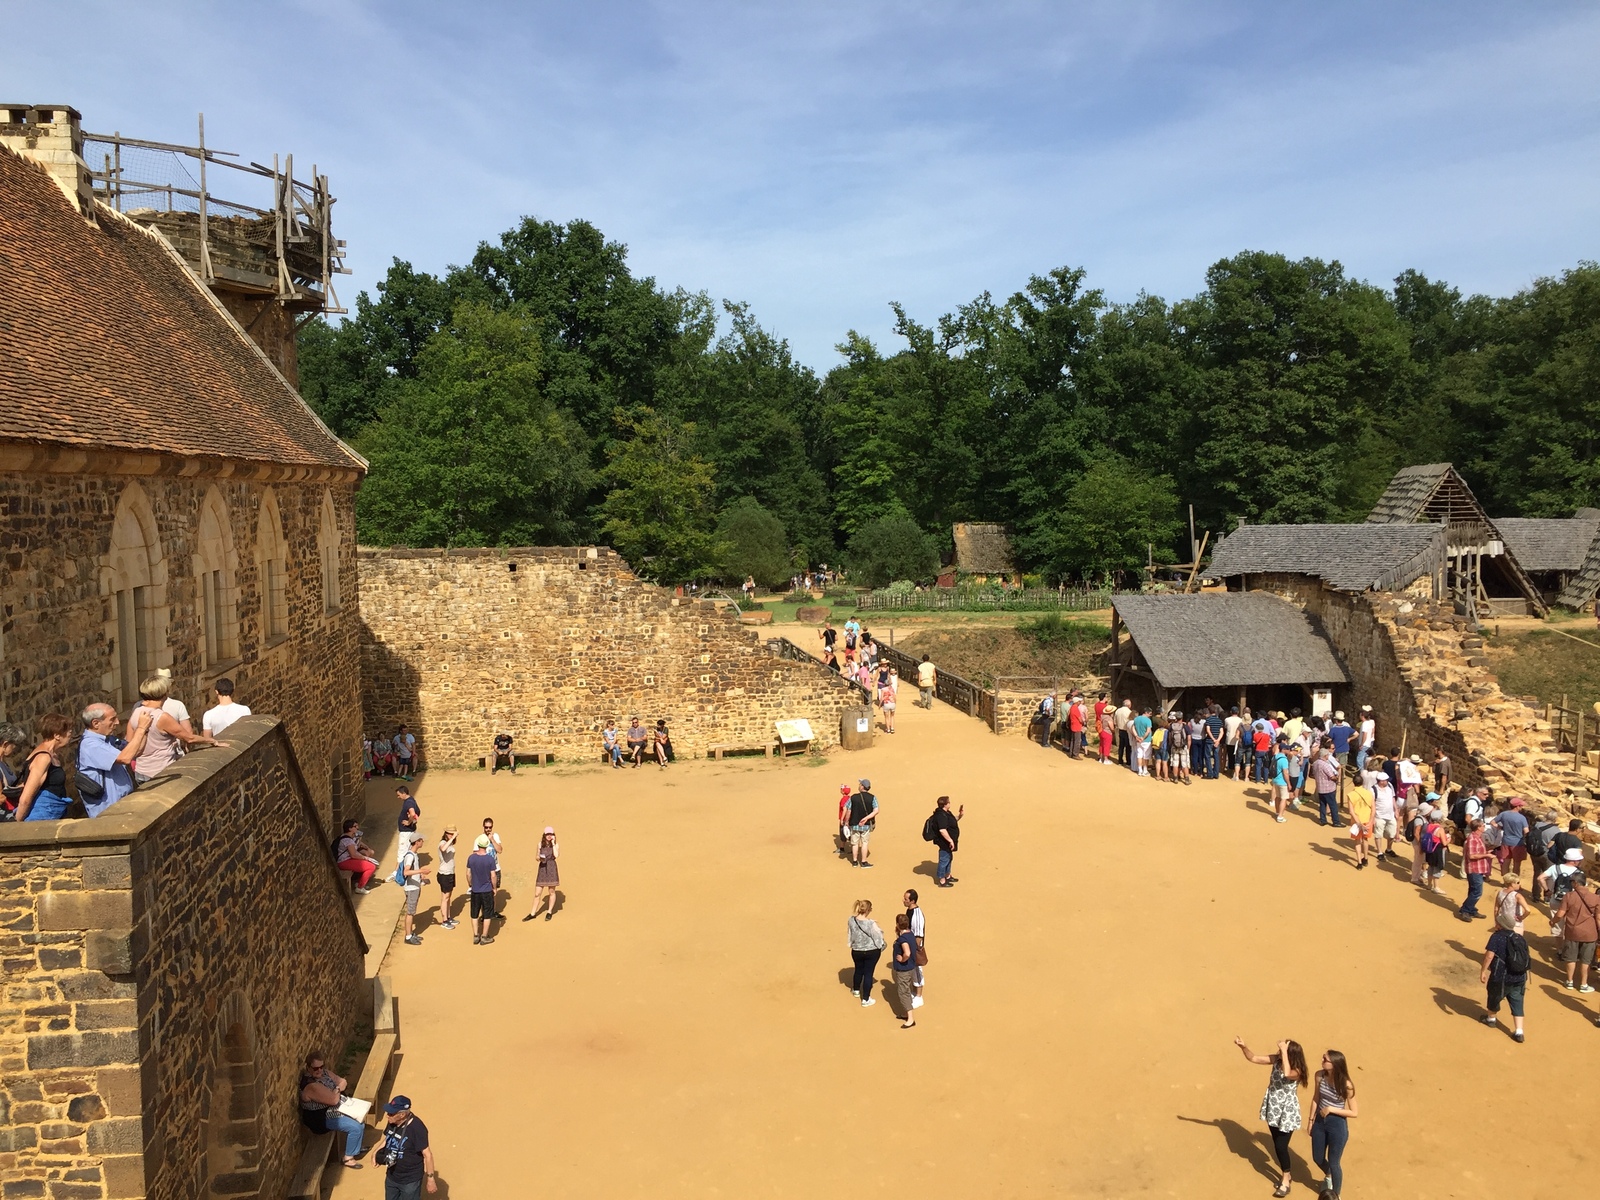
[
  {"x": 1435, "y": 493},
  {"x": 286, "y": 253}
]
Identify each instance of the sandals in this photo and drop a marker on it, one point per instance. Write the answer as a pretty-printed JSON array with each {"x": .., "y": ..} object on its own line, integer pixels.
[{"x": 1283, "y": 1188}]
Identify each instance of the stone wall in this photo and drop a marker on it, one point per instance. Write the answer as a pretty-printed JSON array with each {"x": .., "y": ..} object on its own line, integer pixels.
[
  {"x": 546, "y": 644},
  {"x": 1421, "y": 666},
  {"x": 167, "y": 965},
  {"x": 59, "y": 575}
]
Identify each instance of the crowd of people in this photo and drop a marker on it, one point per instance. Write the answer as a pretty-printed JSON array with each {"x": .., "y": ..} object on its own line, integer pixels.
[
  {"x": 352, "y": 854},
  {"x": 107, "y": 766},
  {"x": 393, "y": 755}
]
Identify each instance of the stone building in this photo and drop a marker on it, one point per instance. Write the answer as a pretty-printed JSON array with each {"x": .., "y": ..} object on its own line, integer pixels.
[
  {"x": 546, "y": 643},
  {"x": 166, "y": 498},
  {"x": 166, "y": 501}
]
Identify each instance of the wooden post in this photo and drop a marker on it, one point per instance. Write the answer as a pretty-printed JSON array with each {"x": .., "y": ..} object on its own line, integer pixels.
[
  {"x": 1577, "y": 749},
  {"x": 205, "y": 247}
]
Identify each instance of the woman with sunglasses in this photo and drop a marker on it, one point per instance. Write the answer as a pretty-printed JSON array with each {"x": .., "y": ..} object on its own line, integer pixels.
[
  {"x": 447, "y": 876},
  {"x": 1333, "y": 1105}
]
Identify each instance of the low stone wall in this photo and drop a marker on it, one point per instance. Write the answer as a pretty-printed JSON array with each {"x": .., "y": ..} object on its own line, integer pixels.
[
  {"x": 166, "y": 967},
  {"x": 547, "y": 643}
]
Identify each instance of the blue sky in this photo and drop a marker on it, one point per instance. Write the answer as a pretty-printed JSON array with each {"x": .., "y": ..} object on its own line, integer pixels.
[{"x": 822, "y": 160}]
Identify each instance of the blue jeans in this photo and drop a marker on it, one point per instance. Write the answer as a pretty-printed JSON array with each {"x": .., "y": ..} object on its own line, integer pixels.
[
  {"x": 1327, "y": 808},
  {"x": 402, "y": 1191},
  {"x": 1474, "y": 894},
  {"x": 1328, "y": 1138},
  {"x": 1212, "y": 764},
  {"x": 352, "y": 1129},
  {"x": 1260, "y": 775},
  {"x": 1361, "y": 760},
  {"x": 616, "y": 754},
  {"x": 946, "y": 859}
]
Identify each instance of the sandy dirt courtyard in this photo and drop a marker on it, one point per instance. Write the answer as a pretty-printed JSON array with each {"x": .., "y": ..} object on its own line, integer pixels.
[{"x": 684, "y": 1026}]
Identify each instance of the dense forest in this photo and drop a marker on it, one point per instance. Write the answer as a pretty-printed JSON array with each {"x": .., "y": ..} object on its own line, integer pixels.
[{"x": 542, "y": 393}]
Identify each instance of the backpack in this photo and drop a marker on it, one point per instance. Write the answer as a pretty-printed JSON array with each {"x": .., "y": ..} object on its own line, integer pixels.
[
  {"x": 1431, "y": 839},
  {"x": 1539, "y": 839},
  {"x": 1517, "y": 958},
  {"x": 400, "y": 869},
  {"x": 1458, "y": 812},
  {"x": 930, "y": 828}
]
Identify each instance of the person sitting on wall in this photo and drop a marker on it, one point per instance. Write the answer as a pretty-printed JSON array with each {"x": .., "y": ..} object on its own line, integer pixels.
[
  {"x": 502, "y": 750},
  {"x": 44, "y": 783},
  {"x": 105, "y": 761},
  {"x": 613, "y": 748},
  {"x": 382, "y": 755},
  {"x": 321, "y": 1093},
  {"x": 638, "y": 739},
  {"x": 354, "y": 855},
  {"x": 662, "y": 743}
]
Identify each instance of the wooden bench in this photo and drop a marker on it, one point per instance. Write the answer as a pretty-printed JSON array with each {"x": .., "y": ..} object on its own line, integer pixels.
[
  {"x": 314, "y": 1159},
  {"x": 721, "y": 748},
  {"x": 380, "y": 1064},
  {"x": 522, "y": 757}
]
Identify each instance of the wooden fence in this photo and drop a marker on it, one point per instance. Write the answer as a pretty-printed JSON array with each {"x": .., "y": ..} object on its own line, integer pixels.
[
  {"x": 984, "y": 599},
  {"x": 1574, "y": 730}
]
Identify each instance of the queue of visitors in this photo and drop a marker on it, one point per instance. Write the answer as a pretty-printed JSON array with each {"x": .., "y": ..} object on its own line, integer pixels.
[{"x": 106, "y": 767}]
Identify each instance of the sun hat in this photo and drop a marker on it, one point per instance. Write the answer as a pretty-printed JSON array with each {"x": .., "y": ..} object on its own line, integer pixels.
[
  {"x": 1339, "y": 716},
  {"x": 1573, "y": 855},
  {"x": 1416, "y": 758},
  {"x": 481, "y": 842},
  {"x": 398, "y": 1104},
  {"x": 1366, "y": 708},
  {"x": 451, "y": 829}
]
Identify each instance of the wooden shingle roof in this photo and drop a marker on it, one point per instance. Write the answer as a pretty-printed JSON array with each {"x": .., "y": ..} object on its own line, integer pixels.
[
  {"x": 1350, "y": 558},
  {"x": 1582, "y": 588},
  {"x": 107, "y": 341},
  {"x": 1550, "y": 543},
  {"x": 1228, "y": 639}
]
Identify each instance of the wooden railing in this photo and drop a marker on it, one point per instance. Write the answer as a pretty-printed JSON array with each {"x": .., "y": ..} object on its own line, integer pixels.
[
  {"x": 784, "y": 648},
  {"x": 951, "y": 688},
  {"x": 1572, "y": 730}
]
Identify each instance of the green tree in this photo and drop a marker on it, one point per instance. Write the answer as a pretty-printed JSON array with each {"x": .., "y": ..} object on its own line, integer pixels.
[
  {"x": 1113, "y": 514},
  {"x": 753, "y": 544},
  {"x": 469, "y": 452},
  {"x": 892, "y": 547},
  {"x": 659, "y": 513},
  {"x": 1294, "y": 360}
]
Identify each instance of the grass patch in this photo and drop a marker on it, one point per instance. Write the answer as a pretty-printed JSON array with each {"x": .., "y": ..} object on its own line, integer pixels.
[
  {"x": 1053, "y": 629},
  {"x": 1538, "y": 662}
]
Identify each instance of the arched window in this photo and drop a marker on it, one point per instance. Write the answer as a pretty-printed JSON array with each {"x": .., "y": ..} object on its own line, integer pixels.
[
  {"x": 216, "y": 567},
  {"x": 134, "y": 578},
  {"x": 272, "y": 566},
  {"x": 328, "y": 550}
]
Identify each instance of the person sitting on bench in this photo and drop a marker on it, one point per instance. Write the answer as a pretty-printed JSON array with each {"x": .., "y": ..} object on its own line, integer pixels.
[
  {"x": 638, "y": 740},
  {"x": 321, "y": 1093},
  {"x": 502, "y": 750}
]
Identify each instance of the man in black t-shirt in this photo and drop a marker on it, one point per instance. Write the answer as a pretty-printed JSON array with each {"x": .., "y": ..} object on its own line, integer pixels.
[
  {"x": 946, "y": 837},
  {"x": 502, "y": 751},
  {"x": 405, "y": 1152}
]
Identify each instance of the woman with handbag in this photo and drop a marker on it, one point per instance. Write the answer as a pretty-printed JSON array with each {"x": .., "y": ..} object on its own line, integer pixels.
[{"x": 866, "y": 947}]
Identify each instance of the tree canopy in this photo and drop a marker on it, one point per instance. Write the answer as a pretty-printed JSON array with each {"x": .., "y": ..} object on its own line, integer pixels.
[{"x": 543, "y": 392}]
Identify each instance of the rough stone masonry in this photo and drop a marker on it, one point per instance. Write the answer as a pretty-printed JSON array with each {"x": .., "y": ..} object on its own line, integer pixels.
[{"x": 546, "y": 644}]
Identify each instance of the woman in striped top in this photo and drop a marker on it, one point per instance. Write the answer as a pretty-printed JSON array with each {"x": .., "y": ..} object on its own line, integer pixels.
[{"x": 1333, "y": 1104}]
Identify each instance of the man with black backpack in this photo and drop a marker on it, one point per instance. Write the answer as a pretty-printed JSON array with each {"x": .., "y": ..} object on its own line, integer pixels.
[
  {"x": 943, "y": 829},
  {"x": 1505, "y": 970}
]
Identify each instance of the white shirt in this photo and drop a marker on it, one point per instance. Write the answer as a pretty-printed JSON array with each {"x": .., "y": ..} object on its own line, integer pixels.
[
  {"x": 1383, "y": 802},
  {"x": 219, "y": 718},
  {"x": 1369, "y": 733}
]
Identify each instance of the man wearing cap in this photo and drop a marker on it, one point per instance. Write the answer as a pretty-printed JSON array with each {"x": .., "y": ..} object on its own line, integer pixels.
[
  {"x": 1576, "y": 914},
  {"x": 1562, "y": 877},
  {"x": 483, "y": 879},
  {"x": 412, "y": 877},
  {"x": 863, "y": 820},
  {"x": 405, "y": 1151}
]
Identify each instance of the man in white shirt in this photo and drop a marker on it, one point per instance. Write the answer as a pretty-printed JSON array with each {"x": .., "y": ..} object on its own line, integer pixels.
[
  {"x": 225, "y": 713},
  {"x": 1368, "y": 736},
  {"x": 1230, "y": 738},
  {"x": 1385, "y": 816}
]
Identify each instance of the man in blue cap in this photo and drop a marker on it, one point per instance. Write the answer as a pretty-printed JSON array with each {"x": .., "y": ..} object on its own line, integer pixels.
[{"x": 405, "y": 1152}]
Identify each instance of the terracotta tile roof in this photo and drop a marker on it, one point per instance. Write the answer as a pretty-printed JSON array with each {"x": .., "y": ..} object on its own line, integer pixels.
[{"x": 107, "y": 341}]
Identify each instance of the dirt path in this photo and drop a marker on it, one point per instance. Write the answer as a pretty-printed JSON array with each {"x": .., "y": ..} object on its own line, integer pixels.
[{"x": 684, "y": 1027}]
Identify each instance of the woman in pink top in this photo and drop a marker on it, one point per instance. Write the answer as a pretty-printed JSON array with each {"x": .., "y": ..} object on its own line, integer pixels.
[{"x": 168, "y": 737}]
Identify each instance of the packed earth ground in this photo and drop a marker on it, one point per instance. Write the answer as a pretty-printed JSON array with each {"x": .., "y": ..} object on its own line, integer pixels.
[{"x": 684, "y": 1026}]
